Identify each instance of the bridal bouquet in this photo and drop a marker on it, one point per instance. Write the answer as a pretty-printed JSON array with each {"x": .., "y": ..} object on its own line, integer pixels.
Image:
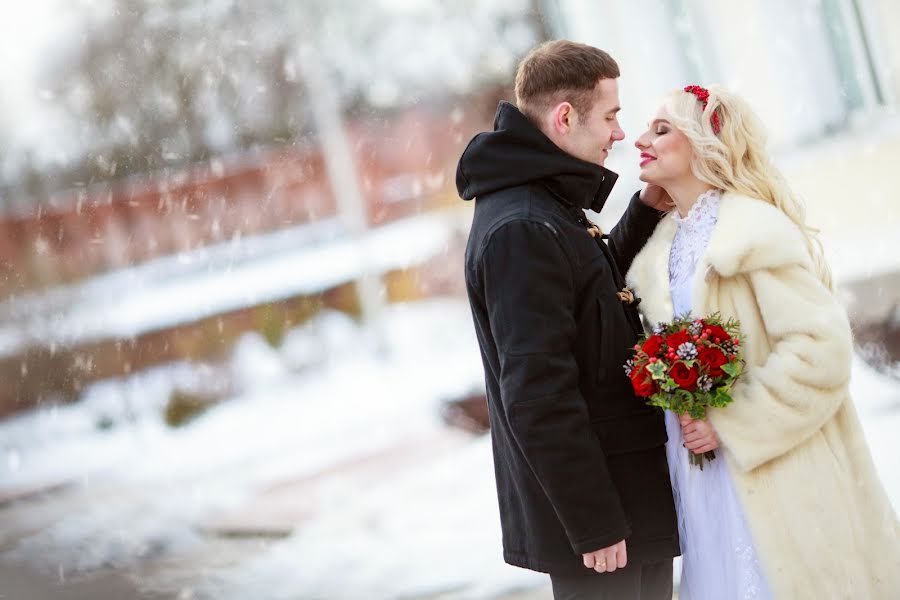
[{"x": 688, "y": 365}]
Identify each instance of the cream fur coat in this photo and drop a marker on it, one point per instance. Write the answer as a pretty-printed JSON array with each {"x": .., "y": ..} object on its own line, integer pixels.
[{"x": 820, "y": 519}]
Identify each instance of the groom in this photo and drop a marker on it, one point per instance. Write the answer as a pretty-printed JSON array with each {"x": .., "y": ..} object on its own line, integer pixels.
[{"x": 580, "y": 462}]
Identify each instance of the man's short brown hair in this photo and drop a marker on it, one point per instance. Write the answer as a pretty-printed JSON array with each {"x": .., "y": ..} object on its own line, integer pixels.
[{"x": 559, "y": 71}]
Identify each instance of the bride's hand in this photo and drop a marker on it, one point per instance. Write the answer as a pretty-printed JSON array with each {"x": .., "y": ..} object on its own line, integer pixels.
[
  {"x": 699, "y": 435},
  {"x": 656, "y": 197}
]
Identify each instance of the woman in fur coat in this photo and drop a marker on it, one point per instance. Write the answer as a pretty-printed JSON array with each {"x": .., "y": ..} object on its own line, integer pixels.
[{"x": 793, "y": 507}]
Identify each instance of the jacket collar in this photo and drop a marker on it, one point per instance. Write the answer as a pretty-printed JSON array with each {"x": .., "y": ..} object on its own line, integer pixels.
[
  {"x": 750, "y": 234},
  {"x": 517, "y": 152}
]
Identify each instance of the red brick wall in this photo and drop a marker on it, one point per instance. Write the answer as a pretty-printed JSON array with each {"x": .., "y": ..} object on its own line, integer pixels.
[{"x": 405, "y": 165}]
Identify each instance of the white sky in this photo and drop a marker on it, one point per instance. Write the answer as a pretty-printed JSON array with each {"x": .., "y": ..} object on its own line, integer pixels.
[{"x": 26, "y": 28}]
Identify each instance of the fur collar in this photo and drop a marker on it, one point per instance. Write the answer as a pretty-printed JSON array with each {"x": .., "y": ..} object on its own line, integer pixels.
[{"x": 750, "y": 234}]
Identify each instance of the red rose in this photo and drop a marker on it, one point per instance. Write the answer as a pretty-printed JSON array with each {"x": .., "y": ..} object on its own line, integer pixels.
[
  {"x": 653, "y": 345},
  {"x": 712, "y": 359},
  {"x": 685, "y": 377},
  {"x": 642, "y": 383},
  {"x": 677, "y": 339},
  {"x": 718, "y": 334}
]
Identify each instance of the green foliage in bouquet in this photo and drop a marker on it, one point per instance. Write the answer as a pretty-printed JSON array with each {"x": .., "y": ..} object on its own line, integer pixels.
[{"x": 688, "y": 365}]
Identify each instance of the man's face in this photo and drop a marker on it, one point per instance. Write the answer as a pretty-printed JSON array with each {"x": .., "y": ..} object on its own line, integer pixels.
[{"x": 590, "y": 137}]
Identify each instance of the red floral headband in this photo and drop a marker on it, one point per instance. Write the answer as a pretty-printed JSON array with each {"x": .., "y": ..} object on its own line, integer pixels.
[{"x": 703, "y": 96}]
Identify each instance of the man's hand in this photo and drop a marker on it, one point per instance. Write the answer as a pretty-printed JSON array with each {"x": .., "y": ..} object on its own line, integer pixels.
[
  {"x": 607, "y": 560},
  {"x": 656, "y": 197},
  {"x": 699, "y": 435}
]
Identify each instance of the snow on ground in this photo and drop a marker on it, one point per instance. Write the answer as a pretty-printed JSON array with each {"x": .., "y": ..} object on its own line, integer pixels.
[
  {"x": 353, "y": 404},
  {"x": 430, "y": 530},
  {"x": 877, "y": 399},
  {"x": 431, "y": 527},
  {"x": 352, "y": 400}
]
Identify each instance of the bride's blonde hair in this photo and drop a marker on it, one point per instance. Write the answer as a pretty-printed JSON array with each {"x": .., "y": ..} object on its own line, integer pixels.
[{"x": 735, "y": 160}]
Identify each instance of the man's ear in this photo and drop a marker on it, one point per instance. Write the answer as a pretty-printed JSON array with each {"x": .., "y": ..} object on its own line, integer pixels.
[{"x": 563, "y": 118}]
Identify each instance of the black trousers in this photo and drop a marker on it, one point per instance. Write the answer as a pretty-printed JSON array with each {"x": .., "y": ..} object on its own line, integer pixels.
[{"x": 648, "y": 581}]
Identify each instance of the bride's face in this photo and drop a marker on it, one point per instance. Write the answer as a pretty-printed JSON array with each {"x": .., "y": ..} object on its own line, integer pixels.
[{"x": 665, "y": 151}]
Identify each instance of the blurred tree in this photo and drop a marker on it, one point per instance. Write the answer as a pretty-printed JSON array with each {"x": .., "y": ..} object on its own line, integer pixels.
[
  {"x": 160, "y": 83},
  {"x": 157, "y": 83}
]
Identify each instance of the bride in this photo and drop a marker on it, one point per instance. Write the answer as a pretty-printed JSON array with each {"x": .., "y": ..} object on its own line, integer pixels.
[{"x": 792, "y": 507}]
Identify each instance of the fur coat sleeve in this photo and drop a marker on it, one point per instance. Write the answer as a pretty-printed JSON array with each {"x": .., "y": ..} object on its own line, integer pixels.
[
  {"x": 803, "y": 379},
  {"x": 798, "y": 340}
]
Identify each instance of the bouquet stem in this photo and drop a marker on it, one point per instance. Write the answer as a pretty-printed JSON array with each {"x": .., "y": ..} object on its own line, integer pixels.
[{"x": 698, "y": 460}]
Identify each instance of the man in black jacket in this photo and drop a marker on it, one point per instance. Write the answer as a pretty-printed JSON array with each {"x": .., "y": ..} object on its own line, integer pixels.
[{"x": 580, "y": 462}]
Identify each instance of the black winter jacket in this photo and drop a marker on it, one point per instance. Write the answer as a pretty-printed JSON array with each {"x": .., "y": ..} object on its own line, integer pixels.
[{"x": 579, "y": 459}]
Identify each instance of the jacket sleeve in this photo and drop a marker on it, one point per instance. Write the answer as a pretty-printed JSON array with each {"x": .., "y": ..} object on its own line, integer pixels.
[
  {"x": 528, "y": 281},
  {"x": 781, "y": 403},
  {"x": 632, "y": 231}
]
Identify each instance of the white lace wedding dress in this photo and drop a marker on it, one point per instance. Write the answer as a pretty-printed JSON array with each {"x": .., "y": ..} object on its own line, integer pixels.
[{"x": 718, "y": 558}]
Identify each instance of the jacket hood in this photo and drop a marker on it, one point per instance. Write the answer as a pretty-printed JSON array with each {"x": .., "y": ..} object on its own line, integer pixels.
[{"x": 516, "y": 152}]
